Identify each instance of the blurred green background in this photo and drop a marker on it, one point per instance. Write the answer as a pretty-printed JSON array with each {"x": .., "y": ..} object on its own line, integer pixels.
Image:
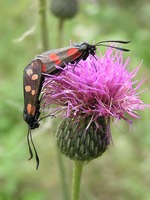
[{"x": 123, "y": 172}]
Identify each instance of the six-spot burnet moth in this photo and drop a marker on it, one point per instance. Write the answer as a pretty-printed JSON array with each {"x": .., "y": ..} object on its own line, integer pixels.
[{"x": 46, "y": 63}]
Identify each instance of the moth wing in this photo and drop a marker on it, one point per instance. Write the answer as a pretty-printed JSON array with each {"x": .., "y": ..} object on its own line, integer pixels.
[
  {"x": 32, "y": 84},
  {"x": 59, "y": 57}
]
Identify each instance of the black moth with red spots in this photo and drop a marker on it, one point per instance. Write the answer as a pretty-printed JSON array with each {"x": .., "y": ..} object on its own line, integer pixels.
[{"x": 46, "y": 63}]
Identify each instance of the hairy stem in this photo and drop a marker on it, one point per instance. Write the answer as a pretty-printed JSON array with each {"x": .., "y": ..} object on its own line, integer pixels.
[
  {"x": 60, "y": 32},
  {"x": 43, "y": 24},
  {"x": 62, "y": 175},
  {"x": 76, "y": 181}
]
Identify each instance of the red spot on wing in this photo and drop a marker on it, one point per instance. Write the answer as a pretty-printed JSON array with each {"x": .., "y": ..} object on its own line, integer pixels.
[
  {"x": 31, "y": 109},
  {"x": 29, "y": 71},
  {"x": 55, "y": 58},
  {"x": 33, "y": 92},
  {"x": 57, "y": 62},
  {"x": 27, "y": 88},
  {"x": 77, "y": 55},
  {"x": 72, "y": 51},
  {"x": 29, "y": 106},
  {"x": 34, "y": 77},
  {"x": 43, "y": 68}
]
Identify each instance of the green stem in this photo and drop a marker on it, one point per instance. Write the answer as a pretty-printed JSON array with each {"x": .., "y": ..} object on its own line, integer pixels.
[
  {"x": 76, "y": 181},
  {"x": 44, "y": 29},
  {"x": 60, "y": 32},
  {"x": 62, "y": 175}
]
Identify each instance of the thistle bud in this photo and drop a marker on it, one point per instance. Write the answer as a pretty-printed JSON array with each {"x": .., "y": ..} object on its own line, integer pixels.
[
  {"x": 64, "y": 8},
  {"x": 82, "y": 140}
]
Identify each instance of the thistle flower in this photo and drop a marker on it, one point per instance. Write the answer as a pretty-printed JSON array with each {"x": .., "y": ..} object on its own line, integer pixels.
[{"x": 90, "y": 94}]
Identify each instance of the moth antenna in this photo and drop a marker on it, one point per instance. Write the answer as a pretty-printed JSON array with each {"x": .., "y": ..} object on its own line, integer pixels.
[
  {"x": 115, "y": 41},
  {"x": 118, "y": 48},
  {"x": 29, "y": 146},
  {"x": 29, "y": 137}
]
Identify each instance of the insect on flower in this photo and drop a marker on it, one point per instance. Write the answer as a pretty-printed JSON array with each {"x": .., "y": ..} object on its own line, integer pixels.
[
  {"x": 47, "y": 62},
  {"x": 91, "y": 96}
]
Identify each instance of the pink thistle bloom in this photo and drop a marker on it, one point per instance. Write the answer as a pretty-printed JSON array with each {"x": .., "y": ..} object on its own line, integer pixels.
[
  {"x": 95, "y": 87},
  {"x": 101, "y": 87}
]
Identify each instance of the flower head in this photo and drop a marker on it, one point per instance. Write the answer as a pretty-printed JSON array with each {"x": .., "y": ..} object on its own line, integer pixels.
[{"x": 97, "y": 88}]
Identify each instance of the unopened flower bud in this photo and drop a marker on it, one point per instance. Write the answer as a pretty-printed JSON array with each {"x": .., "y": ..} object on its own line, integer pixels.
[
  {"x": 82, "y": 140},
  {"x": 64, "y": 8}
]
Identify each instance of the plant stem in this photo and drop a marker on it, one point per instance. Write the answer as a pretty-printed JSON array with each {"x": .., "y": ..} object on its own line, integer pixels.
[
  {"x": 43, "y": 20},
  {"x": 62, "y": 175},
  {"x": 76, "y": 181},
  {"x": 60, "y": 32}
]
